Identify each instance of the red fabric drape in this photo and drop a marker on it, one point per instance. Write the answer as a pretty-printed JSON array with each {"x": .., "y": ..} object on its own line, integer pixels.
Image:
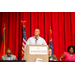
[{"x": 63, "y": 33}]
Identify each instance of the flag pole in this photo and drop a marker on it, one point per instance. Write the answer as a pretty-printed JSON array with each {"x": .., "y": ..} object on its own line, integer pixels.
[
  {"x": 23, "y": 31},
  {"x": 4, "y": 38},
  {"x": 23, "y": 35}
]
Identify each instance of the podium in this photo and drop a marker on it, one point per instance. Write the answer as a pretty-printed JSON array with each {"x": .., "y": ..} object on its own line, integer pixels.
[{"x": 33, "y": 52}]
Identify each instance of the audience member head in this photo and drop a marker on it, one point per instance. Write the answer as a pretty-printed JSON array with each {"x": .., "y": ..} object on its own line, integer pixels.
[
  {"x": 71, "y": 49},
  {"x": 50, "y": 51},
  {"x": 8, "y": 52}
]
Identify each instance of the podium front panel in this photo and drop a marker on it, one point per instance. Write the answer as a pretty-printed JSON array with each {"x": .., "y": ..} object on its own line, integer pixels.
[{"x": 33, "y": 52}]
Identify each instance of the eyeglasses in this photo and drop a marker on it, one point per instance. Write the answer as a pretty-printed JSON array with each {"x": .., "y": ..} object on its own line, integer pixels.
[{"x": 8, "y": 53}]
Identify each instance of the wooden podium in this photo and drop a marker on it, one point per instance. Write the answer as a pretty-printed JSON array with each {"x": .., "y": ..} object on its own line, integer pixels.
[{"x": 33, "y": 52}]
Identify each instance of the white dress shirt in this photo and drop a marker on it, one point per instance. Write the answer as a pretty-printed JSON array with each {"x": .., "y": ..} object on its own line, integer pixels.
[{"x": 34, "y": 41}]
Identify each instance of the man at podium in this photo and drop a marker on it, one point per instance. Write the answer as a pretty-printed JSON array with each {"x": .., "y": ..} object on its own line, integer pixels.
[
  {"x": 36, "y": 40},
  {"x": 36, "y": 49}
]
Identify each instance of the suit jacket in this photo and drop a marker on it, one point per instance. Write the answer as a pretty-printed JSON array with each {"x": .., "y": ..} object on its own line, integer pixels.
[
  {"x": 52, "y": 58},
  {"x": 4, "y": 57}
]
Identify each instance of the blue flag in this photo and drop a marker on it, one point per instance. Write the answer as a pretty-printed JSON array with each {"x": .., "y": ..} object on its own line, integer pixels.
[{"x": 51, "y": 42}]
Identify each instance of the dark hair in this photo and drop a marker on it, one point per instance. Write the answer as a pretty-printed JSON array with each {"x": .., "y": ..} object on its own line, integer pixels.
[
  {"x": 8, "y": 49},
  {"x": 49, "y": 48},
  {"x": 70, "y": 47}
]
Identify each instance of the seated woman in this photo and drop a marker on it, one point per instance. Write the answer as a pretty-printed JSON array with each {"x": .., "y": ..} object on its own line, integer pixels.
[
  {"x": 69, "y": 56},
  {"x": 51, "y": 56}
]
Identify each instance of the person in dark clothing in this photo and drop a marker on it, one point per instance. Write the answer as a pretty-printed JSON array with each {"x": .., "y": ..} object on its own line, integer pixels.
[{"x": 52, "y": 57}]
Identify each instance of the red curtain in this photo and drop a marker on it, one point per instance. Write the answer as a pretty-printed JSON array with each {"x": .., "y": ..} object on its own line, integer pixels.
[{"x": 63, "y": 33}]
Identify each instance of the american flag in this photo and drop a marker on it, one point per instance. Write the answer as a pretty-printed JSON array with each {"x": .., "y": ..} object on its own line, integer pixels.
[{"x": 24, "y": 42}]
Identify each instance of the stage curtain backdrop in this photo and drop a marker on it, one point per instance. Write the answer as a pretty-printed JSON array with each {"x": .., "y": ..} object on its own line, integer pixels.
[{"x": 63, "y": 29}]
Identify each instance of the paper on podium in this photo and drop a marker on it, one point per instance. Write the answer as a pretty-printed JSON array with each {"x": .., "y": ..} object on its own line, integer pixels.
[{"x": 38, "y": 60}]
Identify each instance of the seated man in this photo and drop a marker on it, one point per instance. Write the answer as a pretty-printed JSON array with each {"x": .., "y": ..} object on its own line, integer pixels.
[
  {"x": 8, "y": 55},
  {"x": 51, "y": 56},
  {"x": 36, "y": 40}
]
